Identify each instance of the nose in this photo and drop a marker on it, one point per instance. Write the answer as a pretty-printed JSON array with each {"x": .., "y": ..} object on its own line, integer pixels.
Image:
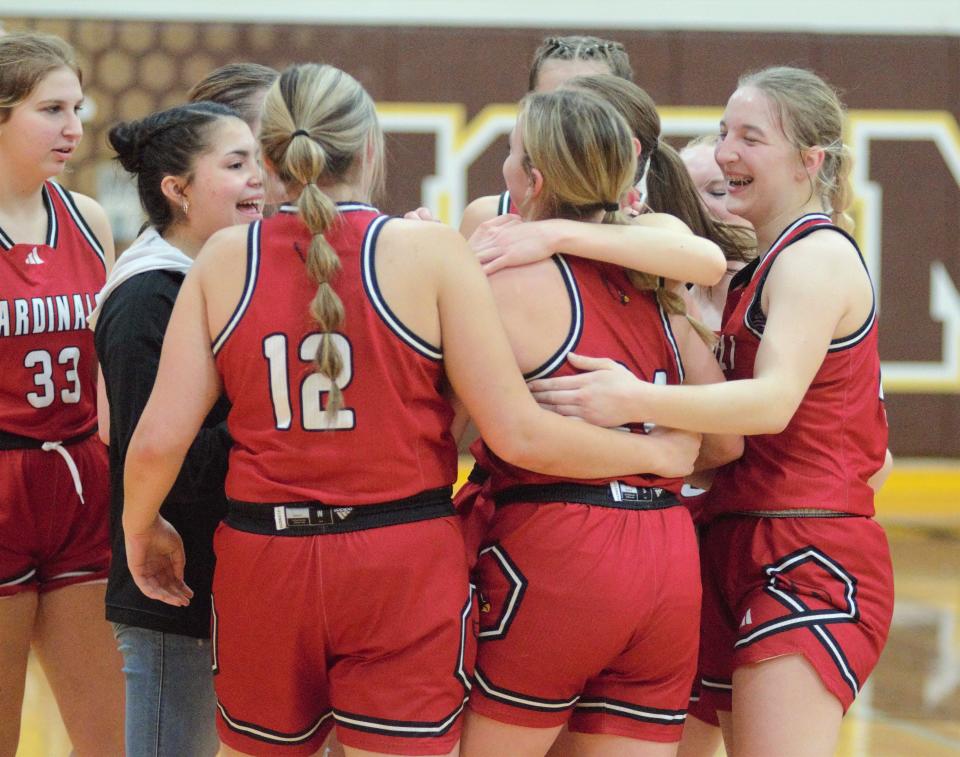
[
  {"x": 723, "y": 153},
  {"x": 73, "y": 127}
]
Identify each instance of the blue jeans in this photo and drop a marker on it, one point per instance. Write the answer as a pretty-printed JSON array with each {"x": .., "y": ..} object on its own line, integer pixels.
[{"x": 170, "y": 704}]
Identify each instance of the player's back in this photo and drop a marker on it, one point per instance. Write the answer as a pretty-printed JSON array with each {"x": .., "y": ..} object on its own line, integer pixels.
[{"x": 390, "y": 439}]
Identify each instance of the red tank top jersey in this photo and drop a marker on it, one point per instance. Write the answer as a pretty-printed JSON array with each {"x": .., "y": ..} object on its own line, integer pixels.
[
  {"x": 390, "y": 439},
  {"x": 48, "y": 381},
  {"x": 836, "y": 439},
  {"x": 610, "y": 318}
]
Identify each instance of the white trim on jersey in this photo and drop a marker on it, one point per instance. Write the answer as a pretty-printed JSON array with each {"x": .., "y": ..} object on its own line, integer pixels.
[
  {"x": 253, "y": 267},
  {"x": 80, "y": 221},
  {"x": 376, "y": 299},
  {"x": 503, "y": 203},
  {"x": 576, "y": 324},
  {"x": 668, "y": 329},
  {"x": 762, "y": 267}
]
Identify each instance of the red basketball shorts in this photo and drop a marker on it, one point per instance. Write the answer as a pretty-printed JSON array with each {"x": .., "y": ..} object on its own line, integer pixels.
[
  {"x": 48, "y": 537},
  {"x": 818, "y": 587},
  {"x": 589, "y": 614},
  {"x": 371, "y": 631}
]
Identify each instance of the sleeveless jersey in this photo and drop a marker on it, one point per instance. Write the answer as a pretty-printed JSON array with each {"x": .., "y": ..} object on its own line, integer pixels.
[
  {"x": 391, "y": 437},
  {"x": 838, "y": 436},
  {"x": 610, "y": 318},
  {"x": 48, "y": 381}
]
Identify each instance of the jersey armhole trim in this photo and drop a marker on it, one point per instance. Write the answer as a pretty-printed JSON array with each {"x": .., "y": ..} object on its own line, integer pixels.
[
  {"x": 81, "y": 222},
  {"x": 503, "y": 204},
  {"x": 672, "y": 339},
  {"x": 368, "y": 276},
  {"x": 249, "y": 284},
  {"x": 576, "y": 324}
]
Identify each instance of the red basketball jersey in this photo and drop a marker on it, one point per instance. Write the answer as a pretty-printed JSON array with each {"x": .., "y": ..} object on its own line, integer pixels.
[
  {"x": 48, "y": 381},
  {"x": 838, "y": 436},
  {"x": 610, "y": 319},
  {"x": 390, "y": 439}
]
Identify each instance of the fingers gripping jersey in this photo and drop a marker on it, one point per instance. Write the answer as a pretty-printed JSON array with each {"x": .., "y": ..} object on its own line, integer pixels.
[
  {"x": 390, "y": 439},
  {"x": 610, "y": 318},
  {"x": 838, "y": 436},
  {"x": 47, "y": 385}
]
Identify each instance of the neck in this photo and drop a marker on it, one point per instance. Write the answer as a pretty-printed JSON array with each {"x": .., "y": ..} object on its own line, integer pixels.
[
  {"x": 342, "y": 192},
  {"x": 184, "y": 239},
  {"x": 19, "y": 196},
  {"x": 768, "y": 229}
]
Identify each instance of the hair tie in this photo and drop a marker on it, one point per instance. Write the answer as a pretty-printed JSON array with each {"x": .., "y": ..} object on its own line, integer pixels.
[
  {"x": 611, "y": 207},
  {"x": 299, "y": 132}
]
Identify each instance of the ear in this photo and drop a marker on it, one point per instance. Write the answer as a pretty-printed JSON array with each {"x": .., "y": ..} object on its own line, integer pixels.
[
  {"x": 812, "y": 160},
  {"x": 637, "y": 147},
  {"x": 536, "y": 183},
  {"x": 172, "y": 188}
]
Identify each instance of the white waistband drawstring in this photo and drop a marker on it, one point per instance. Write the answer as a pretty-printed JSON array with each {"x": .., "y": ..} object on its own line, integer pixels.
[{"x": 74, "y": 473}]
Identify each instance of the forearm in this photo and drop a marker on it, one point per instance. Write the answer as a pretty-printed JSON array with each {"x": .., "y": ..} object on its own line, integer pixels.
[
  {"x": 548, "y": 443},
  {"x": 717, "y": 450},
  {"x": 149, "y": 472},
  {"x": 745, "y": 407},
  {"x": 662, "y": 252}
]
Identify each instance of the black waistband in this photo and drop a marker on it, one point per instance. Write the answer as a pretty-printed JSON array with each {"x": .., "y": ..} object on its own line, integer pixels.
[
  {"x": 615, "y": 494},
  {"x": 478, "y": 475},
  {"x": 316, "y": 518},
  {"x": 15, "y": 441}
]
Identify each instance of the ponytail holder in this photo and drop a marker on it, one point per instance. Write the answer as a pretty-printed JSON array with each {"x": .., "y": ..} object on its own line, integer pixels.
[
  {"x": 611, "y": 207},
  {"x": 299, "y": 132}
]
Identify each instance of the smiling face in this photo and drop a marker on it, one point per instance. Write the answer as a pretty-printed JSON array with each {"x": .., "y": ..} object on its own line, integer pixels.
[
  {"x": 708, "y": 178},
  {"x": 766, "y": 181},
  {"x": 43, "y": 131},
  {"x": 226, "y": 186}
]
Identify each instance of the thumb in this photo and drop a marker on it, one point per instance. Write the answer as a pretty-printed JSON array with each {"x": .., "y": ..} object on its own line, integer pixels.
[{"x": 585, "y": 363}]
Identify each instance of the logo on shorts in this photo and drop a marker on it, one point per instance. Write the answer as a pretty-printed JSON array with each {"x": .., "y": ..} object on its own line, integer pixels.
[
  {"x": 343, "y": 512},
  {"x": 747, "y": 619}
]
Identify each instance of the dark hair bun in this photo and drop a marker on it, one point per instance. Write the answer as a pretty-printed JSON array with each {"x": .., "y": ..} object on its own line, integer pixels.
[{"x": 128, "y": 140}]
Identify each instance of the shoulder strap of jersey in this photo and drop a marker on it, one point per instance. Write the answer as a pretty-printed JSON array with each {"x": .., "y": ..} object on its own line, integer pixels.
[
  {"x": 503, "y": 204},
  {"x": 73, "y": 213},
  {"x": 754, "y": 318},
  {"x": 576, "y": 324},
  {"x": 249, "y": 285}
]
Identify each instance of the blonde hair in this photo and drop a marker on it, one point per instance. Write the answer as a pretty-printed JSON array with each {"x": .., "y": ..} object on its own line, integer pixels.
[
  {"x": 811, "y": 115},
  {"x": 25, "y": 58},
  {"x": 580, "y": 47},
  {"x": 583, "y": 148},
  {"x": 320, "y": 126}
]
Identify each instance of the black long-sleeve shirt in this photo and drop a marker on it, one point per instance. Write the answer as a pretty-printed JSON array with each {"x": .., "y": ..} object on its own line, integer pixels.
[{"x": 128, "y": 339}]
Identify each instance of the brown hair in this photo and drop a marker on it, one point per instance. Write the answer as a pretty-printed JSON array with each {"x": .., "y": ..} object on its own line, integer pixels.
[
  {"x": 583, "y": 148},
  {"x": 579, "y": 47},
  {"x": 318, "y": 123},
  {"x": 669, "y": 186},
  {"x": 811, "y": 115},
  {"x": 25, "y": 58},
  {"x": 240, "y": 86}
]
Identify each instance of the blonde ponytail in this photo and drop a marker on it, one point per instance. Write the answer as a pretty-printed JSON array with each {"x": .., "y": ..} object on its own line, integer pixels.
[{"x": 318, "y": 123}]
